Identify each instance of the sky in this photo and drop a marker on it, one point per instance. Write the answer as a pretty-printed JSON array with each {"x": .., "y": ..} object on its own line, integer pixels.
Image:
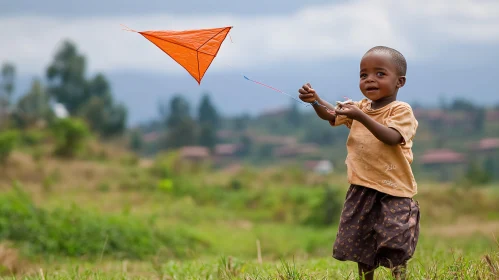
[{"x": 450, "y": 45}]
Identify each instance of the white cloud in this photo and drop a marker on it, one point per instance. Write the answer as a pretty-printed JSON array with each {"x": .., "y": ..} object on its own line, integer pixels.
[{"x": 419, "y": 28}]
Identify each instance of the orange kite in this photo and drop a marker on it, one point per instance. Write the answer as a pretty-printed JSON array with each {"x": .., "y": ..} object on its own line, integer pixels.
[{"x": 193, "y": 49}]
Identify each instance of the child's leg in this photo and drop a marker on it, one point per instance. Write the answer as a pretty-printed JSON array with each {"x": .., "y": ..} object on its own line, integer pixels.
[
  {"x": 399, "y": 272},
  {"x": 366, "y": 272}
]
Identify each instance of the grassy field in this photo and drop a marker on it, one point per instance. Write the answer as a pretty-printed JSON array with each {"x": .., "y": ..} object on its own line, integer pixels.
[{"x": 112, "y": 217}]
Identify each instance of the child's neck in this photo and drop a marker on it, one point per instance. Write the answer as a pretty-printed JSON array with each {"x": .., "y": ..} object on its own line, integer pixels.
[{"x": 382, "y": 102}]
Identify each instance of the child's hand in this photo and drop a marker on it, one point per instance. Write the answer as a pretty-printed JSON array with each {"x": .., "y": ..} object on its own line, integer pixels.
[
  {"x": 307, "y": 93},
  {"x": 350, "y": 110}
]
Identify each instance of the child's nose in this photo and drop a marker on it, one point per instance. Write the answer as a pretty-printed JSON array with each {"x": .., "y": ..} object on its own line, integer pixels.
[{"x": 370, "y": 78}]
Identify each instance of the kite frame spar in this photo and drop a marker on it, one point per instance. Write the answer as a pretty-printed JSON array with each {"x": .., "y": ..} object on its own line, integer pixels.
[{"x": 184, "y": 46}]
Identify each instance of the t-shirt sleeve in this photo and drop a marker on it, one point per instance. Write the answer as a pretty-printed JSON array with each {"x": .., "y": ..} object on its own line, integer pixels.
[
  {"x": 402, "y": 119},
  {"x": 340, "y": 120}
]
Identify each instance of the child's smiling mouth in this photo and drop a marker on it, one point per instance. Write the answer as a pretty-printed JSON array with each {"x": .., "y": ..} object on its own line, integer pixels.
[{"x": 371, "y": 89}]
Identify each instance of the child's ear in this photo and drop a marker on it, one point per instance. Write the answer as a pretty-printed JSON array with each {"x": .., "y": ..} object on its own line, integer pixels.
[{"x": 401, "y": 81}]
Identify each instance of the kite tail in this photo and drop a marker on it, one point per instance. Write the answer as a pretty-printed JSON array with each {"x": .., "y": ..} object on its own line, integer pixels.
[{"x": 126, "y": 28}]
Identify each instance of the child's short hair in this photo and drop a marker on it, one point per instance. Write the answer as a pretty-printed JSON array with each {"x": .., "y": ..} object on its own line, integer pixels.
[{"x": 397, "y": 57}]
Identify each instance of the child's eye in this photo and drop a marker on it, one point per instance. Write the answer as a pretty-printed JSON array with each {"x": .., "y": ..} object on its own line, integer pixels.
[
  {"x": 380, "y": 74},
  {"x": 363, "y": 75}
]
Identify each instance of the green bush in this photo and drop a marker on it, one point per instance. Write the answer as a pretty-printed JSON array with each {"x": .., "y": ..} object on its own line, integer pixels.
[
  {"x": 78, "y": 232},
  {"x": 70, "y": 135},
  {"x": 8, "y": 141},
  {"x": 325, "y": 208},
  {"x": 164, "y": 164},
  {"x": 314, "y": 206},
  {"x": 33, "y": 137}
]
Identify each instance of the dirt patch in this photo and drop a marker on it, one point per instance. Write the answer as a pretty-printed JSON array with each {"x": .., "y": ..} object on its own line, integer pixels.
[{"x": 10, "y": 262}]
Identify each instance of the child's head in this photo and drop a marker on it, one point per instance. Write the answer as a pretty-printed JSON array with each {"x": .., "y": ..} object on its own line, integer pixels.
[{"x": 382, "y": 73}]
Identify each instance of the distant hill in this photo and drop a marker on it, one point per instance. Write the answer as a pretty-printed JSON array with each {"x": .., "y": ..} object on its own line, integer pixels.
[{"x": 233, "y": 95}]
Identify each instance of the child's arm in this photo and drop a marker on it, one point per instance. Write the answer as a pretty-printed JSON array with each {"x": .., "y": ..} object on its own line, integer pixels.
[
  {"x": 308, "y": 94},
  {"x": 385, "y": 134},
  {"x": 322, "y": 112}
]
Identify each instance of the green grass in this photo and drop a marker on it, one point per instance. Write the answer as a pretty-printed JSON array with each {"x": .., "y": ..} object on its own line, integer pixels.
[
  {"x": 207, "y": 227},
  {"x": 440, "y": 265}
]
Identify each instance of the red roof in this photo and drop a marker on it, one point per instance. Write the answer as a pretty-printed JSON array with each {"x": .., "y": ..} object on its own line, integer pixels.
[
  {"x": 225, "y": 133},
  {"x": 151, "y": 137},
  {"x": 441, "y": 156},
  {"x": 273, "y": 139},
  {"x": 430, "y": 114},
  {"x": 492, "y": 115},
  {"x": 487, "y": 144},
  {"x": 295, "y": 150},
  {"x": 311, "y": 164},
  {"x": 194, "y": 152},
  {"x": 226, "y": 149}
]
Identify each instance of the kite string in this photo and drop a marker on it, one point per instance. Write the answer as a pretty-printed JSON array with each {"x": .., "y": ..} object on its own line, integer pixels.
[
  {"x": 270, "y": 87},
  {"x": 278, "y": 90}
]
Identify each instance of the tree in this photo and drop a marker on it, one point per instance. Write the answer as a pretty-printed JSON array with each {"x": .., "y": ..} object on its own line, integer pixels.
[
  {"x": 66, "y": 77},
  {"x": 293, "y": 116},
  {"x": 207, "y": 136},
  {"x": 178, "y": 111},
  {"x": 100, "y": 110},
  {"x": 246, "y": 146},
  {"x": 34, "y": 106},
  {"x": 6, "y": 89},
  {"x": 164, "y": 111},
  {"x": 476, "y": 174},
  {"x": 241, "y": 122},
  {"x": 107, "y": 119},
  {"x": 443, "y": 103},
  {"x": 460, "y": 104},
  {"x": 479, "y": 115},
  {"x": 8, "y": 141},
  {"x": 136, "y": 142},
  {"x": 209, "y": 122},
  {"x": 490, "y": 168},
  {"x": 90, "y": 99},
  {"x": 207, "y": 113},
  {"x": 181, "y": 129}
]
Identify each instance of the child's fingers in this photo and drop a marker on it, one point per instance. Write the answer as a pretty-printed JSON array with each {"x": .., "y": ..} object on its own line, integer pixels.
[
  {"x": 303, "y": 91},
  {"x": 339, "y": 112},
  {"x": 307, "y": 86},
  {"x": 343, "y": 110}
]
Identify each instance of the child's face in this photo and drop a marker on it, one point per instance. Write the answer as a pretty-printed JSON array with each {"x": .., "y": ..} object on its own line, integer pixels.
[{"x": 378, "y": 76}]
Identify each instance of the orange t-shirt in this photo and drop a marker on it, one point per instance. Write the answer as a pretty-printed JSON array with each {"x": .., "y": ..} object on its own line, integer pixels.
[{"x": 374, "y": 164}]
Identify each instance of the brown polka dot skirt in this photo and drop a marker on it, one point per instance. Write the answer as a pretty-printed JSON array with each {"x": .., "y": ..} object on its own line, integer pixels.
[{"x": 377, "y": 229}]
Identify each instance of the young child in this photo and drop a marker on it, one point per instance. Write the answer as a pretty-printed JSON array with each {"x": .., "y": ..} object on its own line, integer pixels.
[{"x": 379, "y": 224}]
